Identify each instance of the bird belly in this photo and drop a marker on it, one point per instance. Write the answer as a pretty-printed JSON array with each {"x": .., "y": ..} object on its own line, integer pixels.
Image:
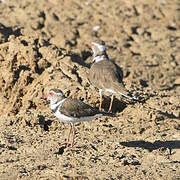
[
  {"x": 110, "y": 91},
  {"x": 87, "y": 118},
  {"x": 67, "y": 119},
  {"x": 63, "y": 117}
]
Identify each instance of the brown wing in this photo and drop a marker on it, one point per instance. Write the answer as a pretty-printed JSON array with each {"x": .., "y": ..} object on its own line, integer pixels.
[
  {"x": 107, "y": 75},
  {"x": 77, "y": 108}
]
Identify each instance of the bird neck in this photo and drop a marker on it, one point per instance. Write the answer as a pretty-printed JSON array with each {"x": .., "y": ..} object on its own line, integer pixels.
[
  {"x": 99, "y": 58},
  {"x": 54, "y": 105}
]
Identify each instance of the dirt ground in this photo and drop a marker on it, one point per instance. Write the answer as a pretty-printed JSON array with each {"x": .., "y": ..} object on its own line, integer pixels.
[{"x": 46, "y": 44}]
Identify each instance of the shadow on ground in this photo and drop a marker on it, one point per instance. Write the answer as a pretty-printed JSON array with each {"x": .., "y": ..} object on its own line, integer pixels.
[
  {"x": 7, "y": 31},
  {"x": 118, "y": 106},
  {"x": 153, "y": 146},
  {"x": 81, "y": 59}
]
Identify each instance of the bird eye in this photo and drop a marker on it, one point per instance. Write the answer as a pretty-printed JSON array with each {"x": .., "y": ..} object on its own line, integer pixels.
[
  {"x": 92, "y": 45},
  {"x": 50, "y": 93}
]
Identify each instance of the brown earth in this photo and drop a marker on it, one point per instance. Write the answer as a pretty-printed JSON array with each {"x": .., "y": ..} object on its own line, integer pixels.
[{"x": 45, "y": 44}]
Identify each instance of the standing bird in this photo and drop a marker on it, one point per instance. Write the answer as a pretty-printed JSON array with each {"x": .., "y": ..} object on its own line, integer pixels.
[
  {"x": 106, "y": 75},
  {"x": 70, "y": 110}
]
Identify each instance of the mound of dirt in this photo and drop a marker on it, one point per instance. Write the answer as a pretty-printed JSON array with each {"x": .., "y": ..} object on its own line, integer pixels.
[{"x": 30, "y": 67}]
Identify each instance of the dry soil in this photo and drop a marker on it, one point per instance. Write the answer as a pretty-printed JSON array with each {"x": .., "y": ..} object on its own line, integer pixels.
[{"x": 46, "y": 44}]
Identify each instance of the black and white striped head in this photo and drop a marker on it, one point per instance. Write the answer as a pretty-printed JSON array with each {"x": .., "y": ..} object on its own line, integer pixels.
[
  {"x": 98, "y": 48},
  {"x": 55, "y": 95}
]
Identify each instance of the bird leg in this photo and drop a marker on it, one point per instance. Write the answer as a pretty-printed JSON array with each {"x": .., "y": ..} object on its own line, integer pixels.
[
  {"x": 100, "y": 93},
  {"x": 67, "y": 141},
  {"x": 110, "y": 106},
  {"x": 73, "y": 136}
]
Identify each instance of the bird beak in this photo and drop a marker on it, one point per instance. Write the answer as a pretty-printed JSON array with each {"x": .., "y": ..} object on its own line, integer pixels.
[
  {"x": 92, "y": 46},
  {"x": 45, "y": 96}
]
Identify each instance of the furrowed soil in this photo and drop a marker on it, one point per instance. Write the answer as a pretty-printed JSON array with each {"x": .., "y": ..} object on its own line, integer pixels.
[{"x": 46, "y": 44}]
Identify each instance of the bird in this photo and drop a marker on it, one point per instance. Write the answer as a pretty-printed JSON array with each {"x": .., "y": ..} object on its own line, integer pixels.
[
  {"x": 106, "y": 75},
  {"x": 69, "y": 110}
]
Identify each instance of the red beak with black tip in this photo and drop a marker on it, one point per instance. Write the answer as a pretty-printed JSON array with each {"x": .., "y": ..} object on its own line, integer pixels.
[{"x": 45, "y": 96}]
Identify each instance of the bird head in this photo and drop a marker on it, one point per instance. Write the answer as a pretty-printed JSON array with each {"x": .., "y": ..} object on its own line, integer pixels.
[
  {"x": 98, "y": 48},
  {"x": 54, "y": 95}
]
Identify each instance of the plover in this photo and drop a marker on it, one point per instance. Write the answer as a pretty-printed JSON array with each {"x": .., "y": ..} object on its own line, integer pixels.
[
  {"x": 70, "y": 110},
  {"x": 106, "y": 75}
]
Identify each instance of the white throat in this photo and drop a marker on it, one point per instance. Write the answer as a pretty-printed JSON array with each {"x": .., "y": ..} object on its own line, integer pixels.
[
  {"x": 100, "y": 47},
  {"x": 55, "y": 105},
  {"x": 98, "y": 59}
]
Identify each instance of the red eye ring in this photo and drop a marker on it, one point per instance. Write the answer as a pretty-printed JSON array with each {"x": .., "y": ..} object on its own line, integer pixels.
[
  {"x": 50, "y": 93},
  {"x": 92, "y": 46}
]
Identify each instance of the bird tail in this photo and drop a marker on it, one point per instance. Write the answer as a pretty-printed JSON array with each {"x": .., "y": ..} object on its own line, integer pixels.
[
  {"x": 129, "y": 96},
  {"x": 123, "y": 92}
]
